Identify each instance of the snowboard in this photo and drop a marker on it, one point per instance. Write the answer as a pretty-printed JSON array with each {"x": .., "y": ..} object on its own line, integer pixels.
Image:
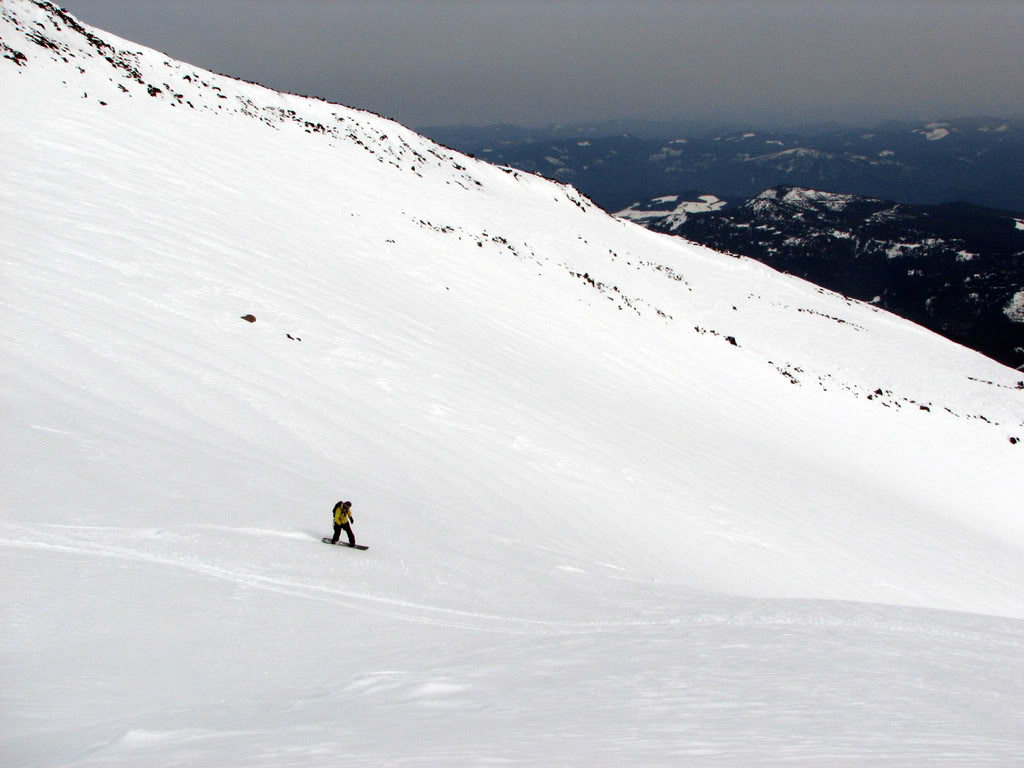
[{"x": 325, "y": 540}]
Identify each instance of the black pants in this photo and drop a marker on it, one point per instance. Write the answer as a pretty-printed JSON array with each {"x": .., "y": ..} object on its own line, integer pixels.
[{"x": 347, "y": 528}]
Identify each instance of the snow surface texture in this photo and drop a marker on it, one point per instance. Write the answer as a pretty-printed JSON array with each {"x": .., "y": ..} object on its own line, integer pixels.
[{"x": 628, "y": 501}]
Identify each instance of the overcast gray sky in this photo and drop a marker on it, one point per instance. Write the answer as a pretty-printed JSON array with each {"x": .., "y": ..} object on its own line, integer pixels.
[{"x": 437, "y": 62}]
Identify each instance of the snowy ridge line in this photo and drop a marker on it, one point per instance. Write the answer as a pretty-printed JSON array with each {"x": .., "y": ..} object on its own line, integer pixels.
[
  {"x": 145, "y": 72},
  {"x": 826, "y": 380},
  {"x": 58, "y": 32},
  {"x": 764, "y": 614}
]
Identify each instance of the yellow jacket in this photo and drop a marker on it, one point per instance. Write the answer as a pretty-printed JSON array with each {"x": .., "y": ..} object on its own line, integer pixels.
[{"x": 341, "y": 517}]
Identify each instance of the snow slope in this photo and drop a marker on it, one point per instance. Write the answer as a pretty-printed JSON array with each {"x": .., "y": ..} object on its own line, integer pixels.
[{"x": 600, "y": 532}]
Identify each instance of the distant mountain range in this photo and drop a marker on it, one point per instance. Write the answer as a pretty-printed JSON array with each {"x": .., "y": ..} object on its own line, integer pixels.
[
  {"x": 955, "y": 268},
  {"x": 977, "y": 160},
  {"x": 949, "y": 255}
]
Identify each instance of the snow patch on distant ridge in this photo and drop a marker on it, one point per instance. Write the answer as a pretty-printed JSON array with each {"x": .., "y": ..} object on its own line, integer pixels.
[
  {"x": 806, "y": 198},
  {"x": 1015, "y": 307},
  {"x": 934, "y": 131},
  {"x": 675, "y": 217},
  {"x": 799, "y": 197},
  {"x": 898, "y": 250}
]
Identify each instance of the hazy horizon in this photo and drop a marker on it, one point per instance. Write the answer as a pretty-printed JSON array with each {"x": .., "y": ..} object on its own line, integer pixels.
[
  {"x": 534, "y": 64},
  {"x": 797, "y": 126}
]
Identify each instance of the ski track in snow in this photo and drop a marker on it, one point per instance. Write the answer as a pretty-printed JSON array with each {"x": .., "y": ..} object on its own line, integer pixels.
[
  {"x": 338, "y": 597},
  {"x": 418, "y": 613}
]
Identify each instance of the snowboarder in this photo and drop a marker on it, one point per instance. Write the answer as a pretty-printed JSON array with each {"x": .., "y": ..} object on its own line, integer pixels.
[{"x": 343, "y": 520}]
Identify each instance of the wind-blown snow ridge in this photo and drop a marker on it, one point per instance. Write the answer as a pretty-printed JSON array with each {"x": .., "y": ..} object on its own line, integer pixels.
[{"x": 628, "y": 500}]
